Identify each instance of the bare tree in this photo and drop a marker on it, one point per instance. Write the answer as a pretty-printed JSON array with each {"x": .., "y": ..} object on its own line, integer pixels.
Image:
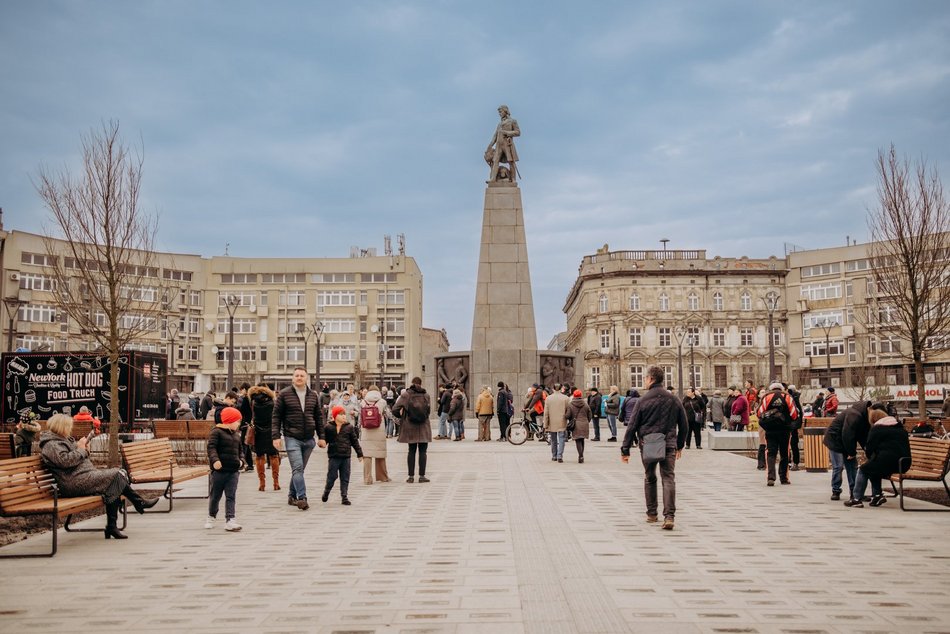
[
  {"x": 101, "y": 249},
  {"x": 910, "y": 260}
]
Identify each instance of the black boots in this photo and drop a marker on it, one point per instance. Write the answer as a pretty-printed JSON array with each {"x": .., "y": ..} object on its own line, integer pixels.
[
  {"x": 138, "y": 501},
  {"x": 112, "y": 515}
]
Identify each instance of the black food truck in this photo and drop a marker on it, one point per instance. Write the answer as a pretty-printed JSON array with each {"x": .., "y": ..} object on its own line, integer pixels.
[{"x": 62, "y": 382}]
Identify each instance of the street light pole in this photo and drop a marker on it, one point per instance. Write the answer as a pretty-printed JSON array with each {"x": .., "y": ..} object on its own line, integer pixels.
[
  {"x": 680, "y": 332},
  {"x": 692, "y": 364},
  {"x": 12, "y": 305},
  {"x": 827, "y": 326},
  {"x": 318, "y": 327},
  {"x": 771, "y": 303},
  {"x": 231, "y": 304},
  {"x": 173, "y": 328}
]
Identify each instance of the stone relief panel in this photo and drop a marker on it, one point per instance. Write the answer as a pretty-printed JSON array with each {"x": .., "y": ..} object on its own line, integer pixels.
[{"x": 455, "y": 369}]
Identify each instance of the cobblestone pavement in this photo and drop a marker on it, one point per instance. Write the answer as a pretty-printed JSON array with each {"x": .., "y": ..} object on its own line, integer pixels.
[{"x": 502, "y": 540}]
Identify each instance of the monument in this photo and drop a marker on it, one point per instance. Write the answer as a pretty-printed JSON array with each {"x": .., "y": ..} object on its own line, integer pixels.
[{"x": 504, "y": 339}]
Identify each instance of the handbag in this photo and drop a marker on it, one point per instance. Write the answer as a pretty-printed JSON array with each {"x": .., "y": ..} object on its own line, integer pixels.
[
  {"x": 735, "y": 419},
  {"x": 653, "y": 448},
  {"x": 249, "y": 436}
]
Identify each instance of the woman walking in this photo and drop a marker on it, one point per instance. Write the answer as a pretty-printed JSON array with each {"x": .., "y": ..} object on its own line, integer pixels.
[
  {"x": 578, "y": 422},
  {"x": 262, "y": 411}
]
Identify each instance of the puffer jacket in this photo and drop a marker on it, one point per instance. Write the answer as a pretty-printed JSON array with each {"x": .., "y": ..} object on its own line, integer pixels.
[
  {"x": 628, "y": 404},
  {"x": 262, "y": 408},
  {"x": 849, "y": 429},
  {"x": 457, "y": 406},
  {"x": 290, "y": 420},
  {"x": 658, "y": 411},
  {"x": 888, "y": 443},
  {"x": 224, "y": 444},
  {"x": 341, "y": 442},
  {"x": 612, "y": 405}
]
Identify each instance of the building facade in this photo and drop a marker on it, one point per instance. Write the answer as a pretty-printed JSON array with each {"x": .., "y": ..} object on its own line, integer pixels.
[
  {"x": 628, "y": 310},
  {"x": 363, "y": 313}
]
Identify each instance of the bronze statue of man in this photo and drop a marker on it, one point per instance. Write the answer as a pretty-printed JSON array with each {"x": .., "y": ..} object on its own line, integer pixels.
[{"x": 501, "y": 149}]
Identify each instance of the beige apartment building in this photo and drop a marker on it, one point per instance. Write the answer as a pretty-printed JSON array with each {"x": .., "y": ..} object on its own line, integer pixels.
[
  {"x": 363, "y": 312},
  {"x": 628, "y": 310},
  {"x": 834, "y": 330}
]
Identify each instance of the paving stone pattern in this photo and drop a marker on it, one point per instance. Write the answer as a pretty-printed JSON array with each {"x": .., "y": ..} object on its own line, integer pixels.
[{"x": 502, "y": 540}]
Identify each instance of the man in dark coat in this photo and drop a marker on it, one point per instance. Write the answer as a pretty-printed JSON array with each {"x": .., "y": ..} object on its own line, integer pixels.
[
  {"x": 777, "y": 414},
  {"x": 888, "y": 452},
  {"x": 658, "y": 411},
  {"x": 298, "y": 416},
  {"x": 503, "y": 407},
  {"x": 847, "y": 430},
  {"x": 595, "y": 400}
]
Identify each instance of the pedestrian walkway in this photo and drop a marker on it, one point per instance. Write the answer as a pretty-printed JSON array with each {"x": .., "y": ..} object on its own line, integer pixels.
[{"x": 502, "y": 540}]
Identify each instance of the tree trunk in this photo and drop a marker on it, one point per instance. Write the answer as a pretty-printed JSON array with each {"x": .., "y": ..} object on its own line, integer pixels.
[
  {"x": 921, "y": 387},
  {"x": 114, "y": 413}
]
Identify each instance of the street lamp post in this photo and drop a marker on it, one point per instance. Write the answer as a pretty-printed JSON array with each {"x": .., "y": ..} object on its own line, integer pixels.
[
  {"x": 680, "y": 333},
  {"x": 380, "y": 330},
  {"x": 827, "y": 326},
  {"x": 13, "y": 306},
  {"x": 231, "y": 304},
  {"x": 692, "y": 364},
  {"x": 318, "y": 327},
  {"x": 173, "y": 328},
  {"x": 771, "y": 304}
]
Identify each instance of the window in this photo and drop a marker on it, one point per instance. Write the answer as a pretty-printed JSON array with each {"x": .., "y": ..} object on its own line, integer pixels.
[
  {"x": 719, "y": 337},
  {"x": 605, "y": 339},
  {"x": 692, "y": 301},
  {"x": 239, "y": 278},
  {"x": 849, "y": 289},
  {"x": 816, "y": 347},
  {"x": 745, "y": 301},
  {"x": 241, "y": 353},
  {"x": 31, "y": 342},
  {"x": 337, "y": 353},
  {"x": 36, "y": 259},
  {"x": 889, "y": 345},
  {"x": 194, "y": 325},
  {"x": 816, "y": 319},
  {"x": 395, "y": 326},
  {"x": 636, "y": 337},
  {"x": 178, "y": 276},
  {"x": 821, "y": 290},
  {"x": 634, "y": 301},
  {"x": 696, "y": 375},
  {"x": 334, "y": 278},
  {"x": 395, "y": 353},
  {"x": 139, "y": 293},
  {"x": 776, "y": 337},
  {"x": 595, "y": 377},
  {"x": 603, "y": 304},
  {"x": 886, "y": 314},
  {"x": 132, "y": 321},
  {"x": 244, "y": 298},
  {"x": 33, "y": 282},
  {"x": 692, "y": 336},
  {"x": 364, "y": 298},
  {"x": 665, "y": 337},
  {"x": 283, "y": 278},
  {"x": 852, "y": 351},
  {"x": 378, "y": 278},
  {"x": 339, "y": 325},
  {"x": 745, "y": 337},
  {"x": 717, "y": 301},
  {"x": 142, "y": 346},
  {"x": 636, "y": 376},
  {"x": 391, "y": 298},
  {"x": 818, "y": 270},
  {"x": 294, "y": 298},
  {"x": 664, "y": 302},
  {"x": 140, "y": 271},
  {"x": 291, "y": 327},
  {"x": 668, "y": 374},
  {"x": 857, "y": 265},
  {"x": 241, "y": 326},
  {"x": 290, "y": 354},
  {"x": 37, "y": 313},
  {"x": 336, "y": 298}
]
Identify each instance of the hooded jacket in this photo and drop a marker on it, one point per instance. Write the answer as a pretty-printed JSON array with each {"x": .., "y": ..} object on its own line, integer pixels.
[
  {"x": 628, "y": 404},
  {"x": 849, "y": 429},
  {"x": 261, "y": 398},
  {"x": 887, "y": 444}
]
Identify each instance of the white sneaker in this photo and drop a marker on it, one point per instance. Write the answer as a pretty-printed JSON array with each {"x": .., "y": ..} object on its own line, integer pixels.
[
  {"x": 232, "y": 525},
  {"x": 209, "y": 523}
]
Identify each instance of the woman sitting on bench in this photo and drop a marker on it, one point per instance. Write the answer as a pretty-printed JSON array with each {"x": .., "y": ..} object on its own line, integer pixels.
[{"x": 76, "y": 476}]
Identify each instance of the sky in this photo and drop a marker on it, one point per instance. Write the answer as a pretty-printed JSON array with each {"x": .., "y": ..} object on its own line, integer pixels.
[{"x": 300, "y": 129}]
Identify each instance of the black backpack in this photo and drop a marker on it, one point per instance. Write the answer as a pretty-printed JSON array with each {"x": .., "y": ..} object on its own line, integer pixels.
[
  {"x": 776, "y": 417},
  {"x": 417, "y": 407}
]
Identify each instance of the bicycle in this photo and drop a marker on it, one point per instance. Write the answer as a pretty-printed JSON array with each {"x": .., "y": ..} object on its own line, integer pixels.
[{"x": 519, "y": 432}]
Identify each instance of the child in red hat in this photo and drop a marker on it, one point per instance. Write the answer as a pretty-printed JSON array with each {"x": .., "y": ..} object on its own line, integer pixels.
[
  {"x": 341, "y": 440},
  {"x": 224, "y": 456}
]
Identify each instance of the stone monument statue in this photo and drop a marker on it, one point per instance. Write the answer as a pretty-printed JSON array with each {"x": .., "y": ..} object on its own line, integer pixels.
[{"x": 501, "y": 149}]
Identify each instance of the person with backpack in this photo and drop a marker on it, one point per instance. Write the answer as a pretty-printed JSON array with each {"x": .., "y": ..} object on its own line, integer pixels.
[
  {"x": 374, "y": 412},
  {"x": 412, "y": 408},
  {"x": 776, "y": 413}
]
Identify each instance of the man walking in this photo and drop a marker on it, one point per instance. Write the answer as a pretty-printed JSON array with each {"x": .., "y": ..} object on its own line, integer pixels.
[
  {"x": 298, "y": 416},
  {"x": 595, "y": 400},
  {"x": 658, "y": 412},
  {"x": 503, "y": 407},
  {"x": 555, "y": 421},
  {"x": 776, "y": 416}
]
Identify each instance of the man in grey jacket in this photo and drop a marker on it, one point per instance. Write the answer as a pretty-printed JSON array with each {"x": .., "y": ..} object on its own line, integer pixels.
[{"x": 658, "y": 411}]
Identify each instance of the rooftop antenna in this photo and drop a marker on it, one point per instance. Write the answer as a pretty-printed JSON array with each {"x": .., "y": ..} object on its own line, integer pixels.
[
  {"x": 664, "y": 241},
  {"x": 401, "y": 241},
  {"x": 388, "y": 245},
  {"x": 227, "y": 247}
]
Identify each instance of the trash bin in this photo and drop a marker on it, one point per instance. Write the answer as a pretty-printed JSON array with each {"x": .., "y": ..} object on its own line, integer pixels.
[{"x": 816, "y": 454}]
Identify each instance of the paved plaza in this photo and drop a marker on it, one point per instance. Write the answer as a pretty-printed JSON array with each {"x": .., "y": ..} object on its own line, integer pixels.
[{"x": 502, "y": 540}]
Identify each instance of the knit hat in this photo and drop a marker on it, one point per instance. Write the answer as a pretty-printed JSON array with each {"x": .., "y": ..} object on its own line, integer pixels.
[
  {"x": 831, "y": 389},
  {"x": 576, "y": 394},
  {"x": 230, "y": 415},
  {"x": 337, "y": 410},
  {"x": 775, "y": 386}
]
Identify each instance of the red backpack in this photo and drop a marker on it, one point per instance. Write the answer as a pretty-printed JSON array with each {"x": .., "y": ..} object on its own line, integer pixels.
[{"x": 369, "y": 416}]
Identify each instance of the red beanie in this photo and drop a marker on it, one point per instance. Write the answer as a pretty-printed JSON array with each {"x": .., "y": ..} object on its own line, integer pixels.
[
  {"x": 337, "y": 409},
  {"x": 577, "y": 394},
  {"x": 230, "y": 415}
]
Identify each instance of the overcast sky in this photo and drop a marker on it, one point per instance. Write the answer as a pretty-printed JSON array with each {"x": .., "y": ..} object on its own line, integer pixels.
[{"x": 302, "y": 128}]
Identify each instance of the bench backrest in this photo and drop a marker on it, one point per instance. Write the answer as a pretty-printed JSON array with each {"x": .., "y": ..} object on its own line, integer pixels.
[
  {"x": 24, "y": 480},
  {"x": 7, "y": 446},
  {"x": 171, "y": 429},
  {"x": 145, "y": 455},
  {"x": 199, "y": 429},
  {"x": 930, "y": 455}
]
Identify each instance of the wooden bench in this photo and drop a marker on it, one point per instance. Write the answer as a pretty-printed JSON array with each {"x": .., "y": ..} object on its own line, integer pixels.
[
  {"x": 929, "y": 462},
  {"x": 27, "y": 488},
  {"x": 171, "y": 429},
  {"x": 149, "y": 461},
  {"x": 7, "y": 446}
]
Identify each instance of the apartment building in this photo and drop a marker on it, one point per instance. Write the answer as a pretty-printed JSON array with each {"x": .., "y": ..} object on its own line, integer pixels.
[{"x": 363, "y": 313}]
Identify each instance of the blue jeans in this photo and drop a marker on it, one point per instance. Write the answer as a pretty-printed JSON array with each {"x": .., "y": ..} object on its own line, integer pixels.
[
  {"x": 390, "y": 427},
  {"x": 443, "y": 425},
  {"x": 459, "y": 427},
  {"x": 861, "y": 485},
  {"x": 838, "y": 463},
  {"x": 557, "y": 443},
  {"x": 298, "y": 454},
  {"x": 612, "y": 424}
]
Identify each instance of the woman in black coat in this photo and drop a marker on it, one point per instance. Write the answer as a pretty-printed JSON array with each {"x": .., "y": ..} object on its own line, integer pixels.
[
  {"x": 261, "y": 400},
  {"x": 887, "y": 445}
]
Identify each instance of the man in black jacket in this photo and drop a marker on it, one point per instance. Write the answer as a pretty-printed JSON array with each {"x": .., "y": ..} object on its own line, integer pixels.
[
  {"x": 595, "y": 400},
  {"x": 503, "y": 407},
  {"x": 848, "y": 430},
  {"x": 658, "y": 411},
  {"x": 298, "y": 415}
]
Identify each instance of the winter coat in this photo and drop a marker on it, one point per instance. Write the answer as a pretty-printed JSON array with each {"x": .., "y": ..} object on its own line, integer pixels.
[
  {"x": 374, "y": 440},
  {"x": 727, "y": 407},
  {"x": 485, "y": 404},
  {"x": 224, "y": 444},
  {"x": 410, "y": 432},
  {"x": 658, "y": 411},
  {"x": 534, "y": 402},
  {"x": 612, "y": 406},
  {"x": 246, "y": 408},
  {"x": 206, "y": 405},
  {"x": 694, "y": 409},
  {"x": 596, "y": 402},
  {"x": 457, "y": 406},
  {"x": 717, "y": 407},
  {"x": 740, "y": 407},
  {"x": 352, "y": 408},
  {"x": 341, "y": 442},
  {"x": 171, "y": 409},
  {"x": 579, "y": 411},
  {"x": 71, "y": 468},
  {"x": 831, "y": 405},
  {"x": 626, "y": 410},
  {"x": 82, "y": 417},
  {"x": 290, "y": 420},
  {"x": 849, "y": 429},
  {"x": 818, "y": 405},
  {"x": 887, "y": 444},
  {"x": 445, "y": 399},
  {"x": 184, "y": 413},
  {"x": 555, "y": 412},
  {"x": 261, "y": 399}
]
